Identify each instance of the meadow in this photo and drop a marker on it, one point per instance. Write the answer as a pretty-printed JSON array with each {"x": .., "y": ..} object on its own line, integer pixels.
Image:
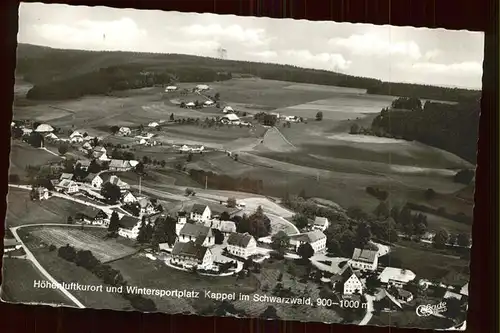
[
  {"x": 22, "y": 155},
  {"x": 104, "y": 250},
  {"x": 21, "y": 210},
  {"x": 17, "y": 284}
]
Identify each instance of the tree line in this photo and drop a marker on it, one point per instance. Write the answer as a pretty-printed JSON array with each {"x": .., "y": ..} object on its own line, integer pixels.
[{"x": 452, "y": 127}]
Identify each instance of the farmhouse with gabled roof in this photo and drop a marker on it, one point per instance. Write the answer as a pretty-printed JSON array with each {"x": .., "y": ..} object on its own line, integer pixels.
[
  {"x": 241, "y": 245},
  {"x": 364, "y": 259},
  {"x": 199, "y": 234},
  {"x": 191, "y": 255}
]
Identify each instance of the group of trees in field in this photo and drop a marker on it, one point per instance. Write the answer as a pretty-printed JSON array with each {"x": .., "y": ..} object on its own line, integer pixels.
[
  {"x": 452, "y": 127},
  {"x": 266, "y": 119},
  {"x": 107, "y": 274}
]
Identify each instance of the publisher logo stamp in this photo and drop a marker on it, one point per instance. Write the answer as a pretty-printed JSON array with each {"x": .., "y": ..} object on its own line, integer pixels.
[{"x": 426, "y": 310}]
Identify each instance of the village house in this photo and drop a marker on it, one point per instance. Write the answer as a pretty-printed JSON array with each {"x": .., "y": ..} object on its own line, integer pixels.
[
  {"x": 125, "y": 131},
  {"x": 11, "y": 244},
  {"x": 190, "y": 255},
  {"x": 181, "y": 217},
  {"x": 208, "y": 103},
  {"x": 351, "y": 281},
  {"x": 230, "y": 118},
  {"x": 200, "y": 213},
  {"x": 118, "y": 182},
  {"x": 51, "y": 136},
  {"x": 94, "y": 180},
  {"x": 67, "y": 176},
  {"x": 153, "y": 124},
  {"x": 27, "y": 131},
  {"x": 76, "y": 137},
  {"x": 199, "y": 234},
  {"x": 190, "y": 105},
  {"x": 44, "y": 128},
  {"x": 87, "y": 146},
  {"x": 91, "y": 215},
  {"x": 226, "y": 227},
  {"x": 119, "y": 165},
  {"x": 146, "y": 207},
  {"x": 404, "y": 295},
  {"x": 128, "y": 198},
  {"x": 320, "y": 223},
  {"x": 397, "y": 277},
  {"x": 170, "y": 88},
  {"x": 241, "y": 245},
  {"x": 364, "y": 259},
  {"x": 315, "y": 238},
  {"x": 84, "y": 164},
  {"x": 67, "y": 186},
  {"x": 129, "y": 227},
  {"x": 100, "y": 153},
  {"x": 202, "y": 87},
  {"x": 41, "y": 193},
  {"x": 227, "y": 109}
]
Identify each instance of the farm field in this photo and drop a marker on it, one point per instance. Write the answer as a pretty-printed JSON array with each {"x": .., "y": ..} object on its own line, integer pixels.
[
  {"x": 17, "y": 285},
  {"x": 143, "y": 272},
  {"x": 21, "y": 210},
  {"x": 104, "y": 250},
  {"x": 22, "y": 155},
  {"x": 68, "y": 272}
]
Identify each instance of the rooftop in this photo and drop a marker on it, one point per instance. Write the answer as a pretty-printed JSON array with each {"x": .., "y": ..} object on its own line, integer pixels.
[
  {"x": 396, "y": 274},
  {"x": 309, "y": 237},
  {"x": 364, "y": 255},
  {"x": 320, "y": 221},
  {"x": 240, "y": 240},
  {"x": 195, "y": 230},
  {"x": 128, "y": 222},
  {"x": 198, "y": 208}
]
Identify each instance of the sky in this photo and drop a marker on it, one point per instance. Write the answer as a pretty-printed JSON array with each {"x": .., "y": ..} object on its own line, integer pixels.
[{"x": 397, "y": 54}]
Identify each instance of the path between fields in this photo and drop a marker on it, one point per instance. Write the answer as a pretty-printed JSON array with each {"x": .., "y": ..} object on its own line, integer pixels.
[
  {"x": 283, "y": 137},
  {"x": 31, "y": 257}
]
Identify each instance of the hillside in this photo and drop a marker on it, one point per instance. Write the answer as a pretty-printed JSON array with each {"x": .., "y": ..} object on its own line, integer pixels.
[{"x": 67, "y": 74}]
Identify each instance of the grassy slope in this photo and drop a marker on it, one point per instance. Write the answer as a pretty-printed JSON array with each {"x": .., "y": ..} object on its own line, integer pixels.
[
  {"x": 21, "y": 210},
  {"x": 17, "y": 284}
]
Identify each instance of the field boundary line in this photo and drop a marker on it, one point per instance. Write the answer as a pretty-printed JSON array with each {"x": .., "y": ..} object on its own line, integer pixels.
[
  {"x": 283, "y": 137},
  {"x": 42, "y": 270}
]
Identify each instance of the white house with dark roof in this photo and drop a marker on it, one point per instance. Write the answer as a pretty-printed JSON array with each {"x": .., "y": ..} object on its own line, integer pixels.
[
  {"x": 199, "y": 234},
  {"x": 128, "y": 197},
  {"x": 351, "y": 280},
  {"x": 321, "y": 223},
  {"x": 227, "y": 227},
  {"x": 129, "y": 227},
  {"x": 67, "y": 186},
  {"x": 200, "y": 213},
  {"x": 170, "y": 88},
  {"x": 92, "y": 215},
  {"x": 94, "y": 180},
  {"x": 230, "y": 118},
  {"x": 315, "y": 238},
  {"x": 397, "y": 277},
  {"x": 241, "y": 245},
  {"x": 364, "y": 259},
  {"x": 227, "y": 109},
  {"x": 191, "y": 255},
  {"x": 202, "y": 87}
]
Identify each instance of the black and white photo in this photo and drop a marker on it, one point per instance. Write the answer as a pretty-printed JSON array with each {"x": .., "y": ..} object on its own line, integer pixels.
[{"x": 217, "y": 165}]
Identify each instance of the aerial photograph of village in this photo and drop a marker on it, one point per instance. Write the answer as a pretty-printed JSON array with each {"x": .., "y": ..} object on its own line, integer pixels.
[{"x": 212, "y": 165}]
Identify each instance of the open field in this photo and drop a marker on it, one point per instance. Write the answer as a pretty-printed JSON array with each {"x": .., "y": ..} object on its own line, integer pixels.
[
  {"x": 65, "y": 271},
  {"x": 104, "y": 250},
  {"x": 142, "y": 272},
  {"x": 340, "y": 106},
  {"x": 22, "y": 155},
  {"x": 17, "y": 285},
  {"x": 21, "y": 210}
]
